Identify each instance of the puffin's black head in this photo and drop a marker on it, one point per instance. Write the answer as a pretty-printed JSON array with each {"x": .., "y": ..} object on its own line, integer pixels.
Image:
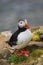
[{"x": 22, "y": 23}]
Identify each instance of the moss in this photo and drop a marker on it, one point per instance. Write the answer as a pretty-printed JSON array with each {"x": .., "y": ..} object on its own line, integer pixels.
[
  {"x": 37, "y": 53},
  {"x": 34, "y": 55}
]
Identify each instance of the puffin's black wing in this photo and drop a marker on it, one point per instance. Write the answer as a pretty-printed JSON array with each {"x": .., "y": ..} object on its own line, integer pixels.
[{"x": 12, "y": 41}]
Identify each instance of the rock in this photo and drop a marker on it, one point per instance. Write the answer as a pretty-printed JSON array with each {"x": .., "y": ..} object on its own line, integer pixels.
[
  {"x": 4, "y": 62},
  {"x": 41, "y": 56},
  {"x": 41, "y": 36},
  {"x": 41, "y": 27},
  {"x": 3, "y": 44},
  {"x": 5, "y": 53},
  {"x": 38, "y": 43},
  {"x": 1, "y": 56},
  {"x": 31, "y": 62},
  {"x": 12, "y": 63},
  {"x": 40, "y": 61},
  {"x": 35, "y": 28},
  {"x": 37, "y": 61},
  {"x": 6, "y": 33}
]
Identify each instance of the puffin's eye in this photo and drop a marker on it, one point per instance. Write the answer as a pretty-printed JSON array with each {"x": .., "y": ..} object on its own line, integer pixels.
[{"x": 21, "y": 22}]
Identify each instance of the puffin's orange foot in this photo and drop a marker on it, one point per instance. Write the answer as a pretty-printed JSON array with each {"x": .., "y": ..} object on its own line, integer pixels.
[
  {"x": 18, "y": 52},
  {"x": 25, "y": 52},
  {"x": 22, "y": 51}
]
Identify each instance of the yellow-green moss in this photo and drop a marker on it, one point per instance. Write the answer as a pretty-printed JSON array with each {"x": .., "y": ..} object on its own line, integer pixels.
[{"x": 37, "y": 53}]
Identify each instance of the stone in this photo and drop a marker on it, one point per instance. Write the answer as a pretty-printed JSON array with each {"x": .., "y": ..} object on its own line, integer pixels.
[
  {"x": 12, "y": 63},
  {"x": 4, "y": 62},
  {"x": 6, "y": 33},
  {"x": 5, "y": 53}
]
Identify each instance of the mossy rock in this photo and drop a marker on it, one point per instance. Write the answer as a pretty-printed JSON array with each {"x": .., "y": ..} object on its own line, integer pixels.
[{"x": 37, "y": 52}]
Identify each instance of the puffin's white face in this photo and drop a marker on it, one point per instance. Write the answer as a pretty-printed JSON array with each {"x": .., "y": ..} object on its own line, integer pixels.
[
  {"x": 24, "y": 24},
  {"x": 21, "y": 24}
]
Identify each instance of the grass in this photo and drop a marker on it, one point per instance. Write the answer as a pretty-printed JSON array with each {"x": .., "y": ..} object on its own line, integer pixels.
[{"x": 14, "y": 58}]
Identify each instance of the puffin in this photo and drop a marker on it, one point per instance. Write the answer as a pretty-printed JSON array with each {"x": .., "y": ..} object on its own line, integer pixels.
[{"x": 20, "y": 39}]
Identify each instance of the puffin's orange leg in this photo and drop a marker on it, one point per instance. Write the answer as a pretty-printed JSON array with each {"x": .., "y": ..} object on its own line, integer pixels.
[
  {"x": 25, "y": 52},
  {"x": 18, "y": 52},
  {"x": 22, "y": 51}
]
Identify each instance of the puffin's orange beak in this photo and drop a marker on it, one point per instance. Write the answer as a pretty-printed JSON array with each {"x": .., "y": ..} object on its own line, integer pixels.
[{"x": 26, "y": 24}]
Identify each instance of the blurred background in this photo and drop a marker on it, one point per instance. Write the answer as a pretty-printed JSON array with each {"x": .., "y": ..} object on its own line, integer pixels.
[{"x": 12, "y": 10}]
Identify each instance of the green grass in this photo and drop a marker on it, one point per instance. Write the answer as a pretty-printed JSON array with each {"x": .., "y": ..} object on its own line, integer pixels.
[{"x": 15, "y": 58}]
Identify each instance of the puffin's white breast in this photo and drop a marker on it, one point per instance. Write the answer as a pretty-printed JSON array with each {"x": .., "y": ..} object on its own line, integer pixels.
[{"x": 24, "y": 36}]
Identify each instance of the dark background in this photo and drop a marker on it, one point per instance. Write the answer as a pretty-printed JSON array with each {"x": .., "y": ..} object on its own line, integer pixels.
[{"x": 12, "y": 10}]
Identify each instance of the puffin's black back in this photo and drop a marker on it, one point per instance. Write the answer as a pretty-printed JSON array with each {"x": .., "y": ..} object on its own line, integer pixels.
[{"x": 14, "y": 36}]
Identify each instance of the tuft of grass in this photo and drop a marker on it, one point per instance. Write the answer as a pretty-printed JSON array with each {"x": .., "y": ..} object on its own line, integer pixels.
[{"x": 14, "y": 58}]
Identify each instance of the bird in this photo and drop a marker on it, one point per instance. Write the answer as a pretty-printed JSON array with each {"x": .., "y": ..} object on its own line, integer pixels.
[{"x": 22, "y": 36}]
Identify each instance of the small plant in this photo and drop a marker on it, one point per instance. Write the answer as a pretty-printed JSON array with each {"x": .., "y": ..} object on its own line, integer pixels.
[
  {"x": 15, "y": 58},
  {"x": 38, "y": 32},
  {"x": 36, "y": 35}
]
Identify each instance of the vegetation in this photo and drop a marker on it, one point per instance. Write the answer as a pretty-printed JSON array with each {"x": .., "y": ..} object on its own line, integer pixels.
[
  {"x": 15, "y": 58},
  {"x": 38, "y": 32},
  {"x": 36, "y": 35},
  {"x": 37, "y": 53}
]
